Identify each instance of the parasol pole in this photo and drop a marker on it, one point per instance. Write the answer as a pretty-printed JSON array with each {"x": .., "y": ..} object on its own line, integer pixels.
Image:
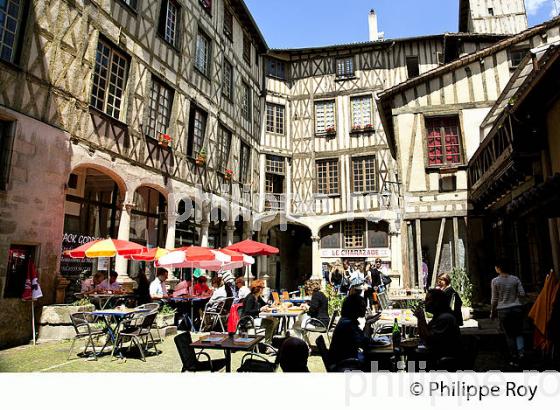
[{"x": 33, "y": 320}]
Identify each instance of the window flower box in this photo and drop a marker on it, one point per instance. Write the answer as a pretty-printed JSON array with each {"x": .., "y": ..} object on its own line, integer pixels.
[
  {"x": 164, "y": 140},
  {"x": 200, "y": 159},
  {"x": 228, "y": 175},
  {"x": 368, "y": 127}
]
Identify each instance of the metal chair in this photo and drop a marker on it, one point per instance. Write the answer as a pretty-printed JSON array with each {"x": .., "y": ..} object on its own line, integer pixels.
[
  {"x": 319, "y": 326},
  {"x": 82, "y": 323},
  {"x": 246, "y": 324},
  {"x": 151, "y": 307},
  {"x": 345, "y": 365},
  {"x": 138, "y": 328},
  {"x": 214, "y": 311},
  {"x": 190, "y": 358}
]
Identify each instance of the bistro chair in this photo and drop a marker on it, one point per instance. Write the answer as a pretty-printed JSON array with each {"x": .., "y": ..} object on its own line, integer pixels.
[
  {"x": 213, "y": 312},
  {"x": 383, "y": 300},
  {"x": 275, "y": 298},
  {"x": 263, "y": 359},
  {"x": 247, "y": 324},
  {"x": 345, "y": 365},
  {"x": 151, "y": 307},
  {"x": 191, "y": 359},
  {"x": 313, "y": 325},
  {"x": 82, "y": 323},
  {"x": 138, "y": 328}
]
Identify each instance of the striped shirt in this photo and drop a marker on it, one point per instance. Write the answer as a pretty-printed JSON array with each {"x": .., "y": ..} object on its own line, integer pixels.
[
  {"x": 228, "y": 277},
  {"x": 506, "y": 291}
]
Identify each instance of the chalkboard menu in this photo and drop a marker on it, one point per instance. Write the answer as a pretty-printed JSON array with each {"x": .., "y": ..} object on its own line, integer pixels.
[{"x": 75, "y": 270}]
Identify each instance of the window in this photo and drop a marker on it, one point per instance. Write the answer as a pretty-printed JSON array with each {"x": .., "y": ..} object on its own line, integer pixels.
[
  {"x": 516, "y": 55},
  {"x": 354, "y": 234},
  {"x": 169, "y": 22},
  {"x": 6, "y": 142},
  {"x": 324, "y": 117},
  {"x": 246, "y": 102},
  {"x": 244, "y": 158},
  {"x": 11, "y": 16},
  {"x": 447, "y": 183},
  {"x": 109, "y": 79},
  {"x": 202, "y": 54},
  {"x": 227, "y": 85},
  {"x": 327, "y": 177},
  {"x": 206, "y": 5},
  {"x": 378, "y": 235},
  {"x": 345, "y": 67},
  {"x": 223, "y": 146},
  {"x": 275, "y": 118},
  {"x": 159, "y": 109},
  {"x": 412, "y": 66},
  {"x": 19, "y": 257},
  {"x": 130, "y": 3},
  {"x": 246, "y": 48},
  {"x": 197, "y": 130},
  {"x": 228, "y": 24},
  {"x": 330, "y": 236},
  {"x": 275, "y": 164},
  {"x": 364, "y": 174},
  {"x": 276, "y": 68},
  {"x": 444, "y": 142},
  {"x": 361, "y": 112}
]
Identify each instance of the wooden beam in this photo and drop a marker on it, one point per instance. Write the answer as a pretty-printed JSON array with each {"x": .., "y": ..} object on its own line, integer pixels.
[
  {"x": 438, "y": 252},
  {"x": 456, "y": 242},
  {"x": 419, "y": 252},
  {"x": 411, "y": 269}
]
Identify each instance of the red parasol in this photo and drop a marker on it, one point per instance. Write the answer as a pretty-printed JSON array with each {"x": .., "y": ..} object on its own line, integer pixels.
[{"x": 253, "y": 248}]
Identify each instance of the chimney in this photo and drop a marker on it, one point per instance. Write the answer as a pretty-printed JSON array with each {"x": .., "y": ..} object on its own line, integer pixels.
[{"x": 373, "y": 33}]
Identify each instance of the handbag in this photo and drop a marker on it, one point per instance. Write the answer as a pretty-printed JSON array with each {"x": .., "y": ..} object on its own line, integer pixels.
[{"x": 385, "y": 279}]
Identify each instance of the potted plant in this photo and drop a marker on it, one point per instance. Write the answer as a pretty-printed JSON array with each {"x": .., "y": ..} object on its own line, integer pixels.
[
  {"x": 356, "y": 128},
  {"x": 164, "y": 140},
  {"x": 200, "y": 158},
  {"x": 368, "y": 127},
  {"x": 330, "y": 130},
  {"x": 228, "y": 175}
]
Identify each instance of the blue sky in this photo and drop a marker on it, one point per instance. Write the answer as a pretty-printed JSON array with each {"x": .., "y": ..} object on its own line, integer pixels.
[{"x": 306, "y": 23}]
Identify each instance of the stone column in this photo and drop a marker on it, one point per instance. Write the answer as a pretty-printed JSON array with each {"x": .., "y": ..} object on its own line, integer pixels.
[
  {"x": 171, "y": 225},
  {"x": 317, "y": 271},
  {"x": 230, "y": 229},
  {"x": 396, "y": 253},
  {"x": 121, "y": 264},
  {"x": 204, "y": 232}
]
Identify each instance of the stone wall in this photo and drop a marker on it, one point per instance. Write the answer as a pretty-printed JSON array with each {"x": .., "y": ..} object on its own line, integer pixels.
[{"x": 31, "y": 213}]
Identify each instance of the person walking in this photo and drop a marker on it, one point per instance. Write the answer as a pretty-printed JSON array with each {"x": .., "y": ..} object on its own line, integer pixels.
[{"x": 506, "y": 290}]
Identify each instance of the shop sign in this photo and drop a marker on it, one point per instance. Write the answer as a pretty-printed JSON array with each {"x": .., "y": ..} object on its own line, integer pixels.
[{"x": 356, "y": 253}]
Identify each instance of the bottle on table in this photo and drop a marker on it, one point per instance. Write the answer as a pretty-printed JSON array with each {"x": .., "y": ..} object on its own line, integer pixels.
[{"x": 396, "y": 335}]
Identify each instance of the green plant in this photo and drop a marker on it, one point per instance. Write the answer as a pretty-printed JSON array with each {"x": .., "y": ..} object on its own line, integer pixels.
[
  {"x": 81, "y": 302},
  {"x": 167, "y": 310},
  {"x": 335, "y": 300},
  {"x": 462, "y": 284}
]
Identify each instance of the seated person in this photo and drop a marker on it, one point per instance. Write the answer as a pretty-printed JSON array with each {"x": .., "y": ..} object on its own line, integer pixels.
[
  {"x": 348, "y": 337},
  {"x": 254, "y": 304},
  {"x": 183, "y": 288},
  {"x": 89, "y": 285},
  {"x": 158, "y": 287},
  {"x": 201, "y": 288},
  {"x": 142, "y": 290},
  {"x": 441, "y": 336},
  {"x": 242, "y": 290},
  {"x": 219, "y": 289},
  {"x": 293, "y": 355},
  {"x": 112, "y": 285},
  {"x": 318, "y": 306}
]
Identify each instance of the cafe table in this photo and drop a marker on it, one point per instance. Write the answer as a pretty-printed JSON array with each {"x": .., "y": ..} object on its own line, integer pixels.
[
  {"x": 104, "y": 299},
  {"x": 283, "y": 315},
  {"x": 116, "y": 316},
  {"x": 191, "y": 299},
  {"x": 227, "y": 343},
  {"x": 383, "y": 356}
]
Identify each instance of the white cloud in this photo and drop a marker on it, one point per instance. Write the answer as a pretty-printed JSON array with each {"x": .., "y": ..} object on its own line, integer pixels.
[{"x": 533, "y": 6}]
